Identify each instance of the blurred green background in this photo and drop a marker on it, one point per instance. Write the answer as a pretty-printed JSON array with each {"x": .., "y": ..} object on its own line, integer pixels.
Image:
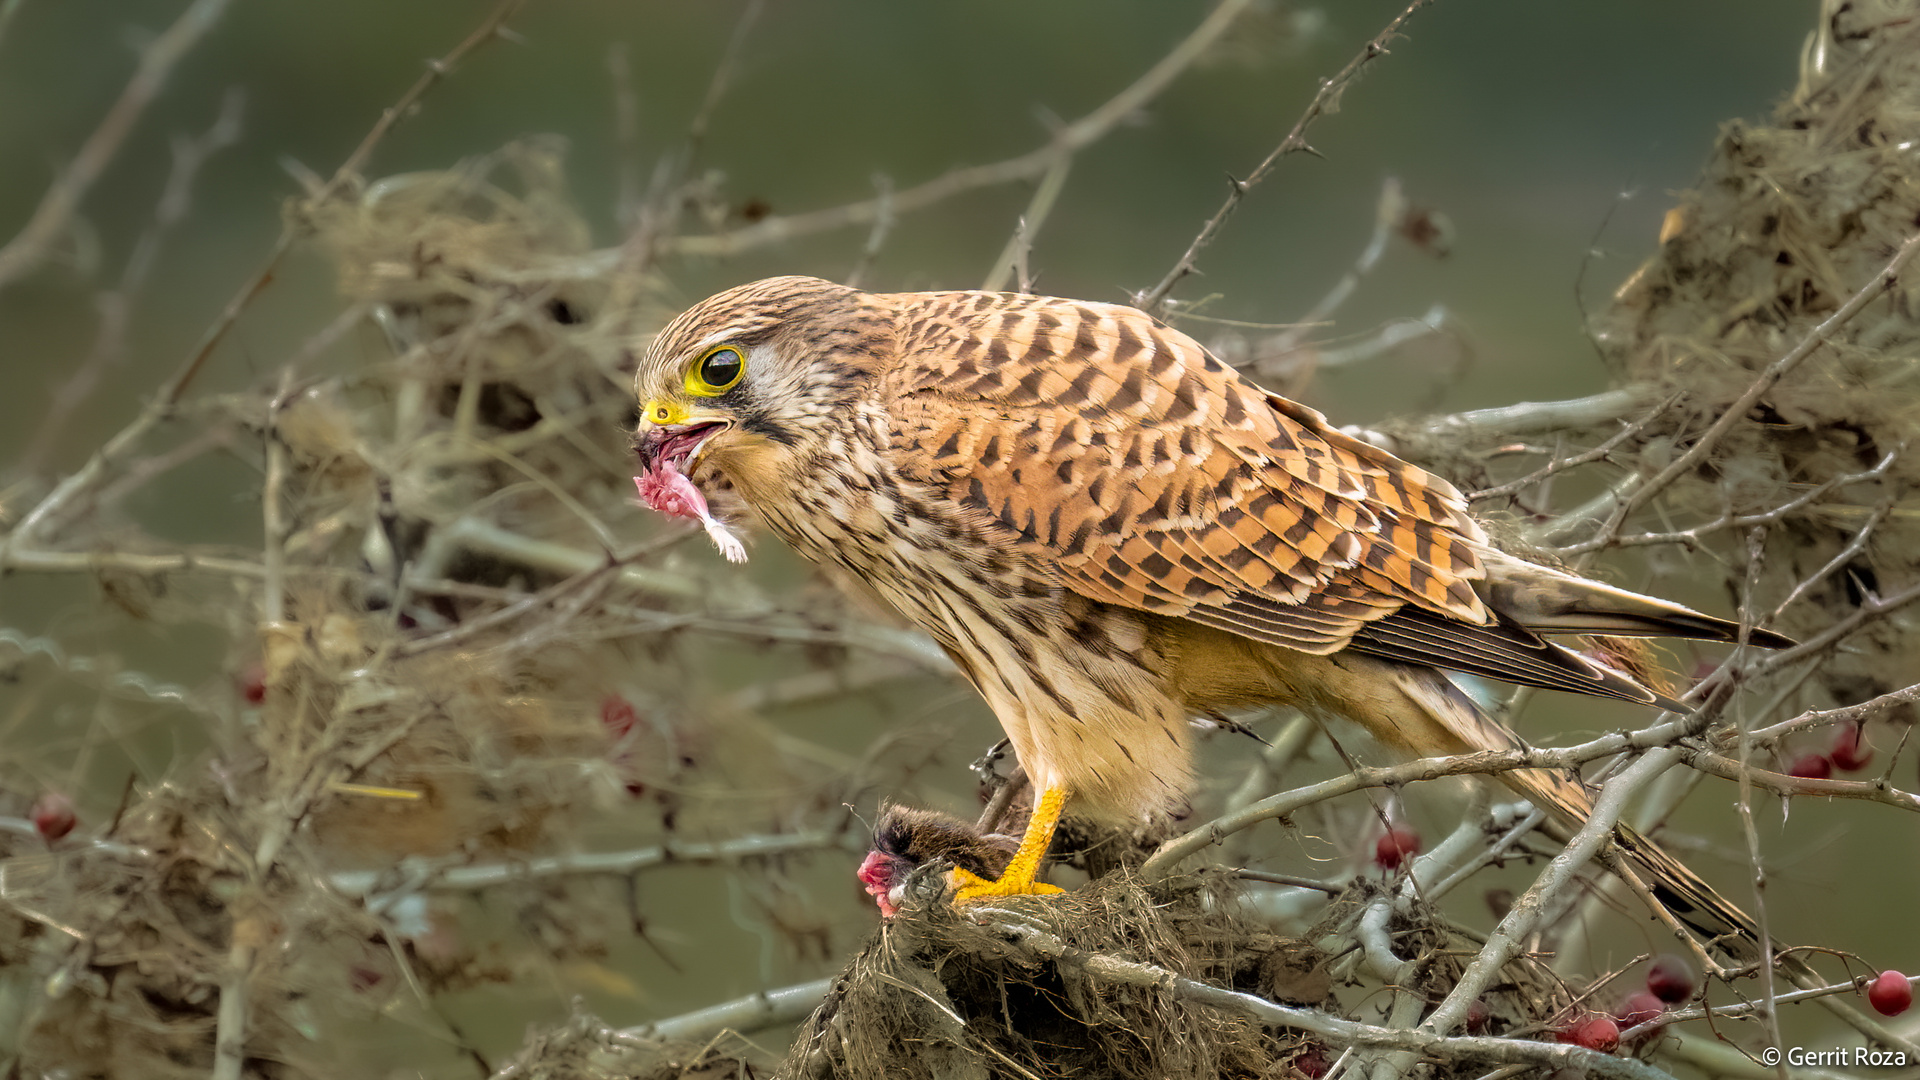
[{"x": 1523, "y": 122}]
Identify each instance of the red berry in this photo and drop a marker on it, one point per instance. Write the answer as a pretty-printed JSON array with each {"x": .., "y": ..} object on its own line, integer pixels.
[
  {"x": 1639, "y": 1007},
  {"x": 1399, "y": 845},
  {"x": 363, "y": 977},
  {"x": 1890, "y": 994},
  {"x": 1811, "y": 767},
  {"x": 617, "y": 715},
  {"x": 53, "y": 816},
  {"x": 1850, "y": 752},
  {"x": 1670, "y": 978},
  {"x": 1478, "y": 1017},
  {"x": 253, "y": 683},
  {"x": 1593, "y": 1032}
]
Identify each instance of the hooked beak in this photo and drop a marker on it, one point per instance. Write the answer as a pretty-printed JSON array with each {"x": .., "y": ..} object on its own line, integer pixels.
[{"x": 675, "y": 444}]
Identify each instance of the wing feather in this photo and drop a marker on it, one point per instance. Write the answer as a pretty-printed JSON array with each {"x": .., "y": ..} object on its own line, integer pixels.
[{"x": 1157, "y": 479}]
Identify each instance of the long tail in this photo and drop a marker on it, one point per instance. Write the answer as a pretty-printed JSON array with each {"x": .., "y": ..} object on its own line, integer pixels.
[
  {"x": 1430, "y": 716},
  {"x": 1543, "y": 599},
  {"x": 1529, "y": 600}
]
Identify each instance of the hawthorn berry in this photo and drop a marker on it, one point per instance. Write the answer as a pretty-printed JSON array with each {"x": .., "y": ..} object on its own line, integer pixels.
[
  {"x": 1670, "y": 978},
  {"x": 1591, "y": 1031},
  {"x": 1639, "y": 1007},
  {"x": 1399, "y": 845},
  {"x": 1312, "y": 1061},
  {"x": 1849, "y": 752},
  {"x": 53, "y": 816},
  {"x": 253, "y": 683},
  {"x": 1811, "y": 767},
  {"x": 1890, "y": 994}
]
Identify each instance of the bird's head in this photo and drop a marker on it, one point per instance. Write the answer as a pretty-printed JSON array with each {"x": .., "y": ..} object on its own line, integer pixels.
[{"x": 751, "y": 380}]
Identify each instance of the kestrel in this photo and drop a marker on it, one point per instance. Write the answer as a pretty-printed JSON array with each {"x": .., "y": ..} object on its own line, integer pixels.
[{"x": 1111, "y": 532}]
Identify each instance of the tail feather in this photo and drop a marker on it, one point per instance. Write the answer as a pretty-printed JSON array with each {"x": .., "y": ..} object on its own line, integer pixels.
[
  {"x": 1501, "y": 650},
  {"x": 1547, "y": 600},
  {"x": 1454, "y": 724}
]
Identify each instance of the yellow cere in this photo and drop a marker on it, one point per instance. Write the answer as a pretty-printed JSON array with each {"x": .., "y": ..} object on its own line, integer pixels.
[{"x": 664, "y": 413}]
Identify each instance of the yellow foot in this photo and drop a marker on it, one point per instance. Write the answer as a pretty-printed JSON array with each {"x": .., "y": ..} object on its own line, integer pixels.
[{"x": 972, "y": 886}]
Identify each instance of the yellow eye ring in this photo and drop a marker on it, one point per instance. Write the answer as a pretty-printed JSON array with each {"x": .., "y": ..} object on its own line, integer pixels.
[{"x": 718, "y": 371}]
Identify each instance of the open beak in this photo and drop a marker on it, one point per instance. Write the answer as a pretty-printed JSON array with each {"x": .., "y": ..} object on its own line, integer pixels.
[{"x": 678, "y": 445}]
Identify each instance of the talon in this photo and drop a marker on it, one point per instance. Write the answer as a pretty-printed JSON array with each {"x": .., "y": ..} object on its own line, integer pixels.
[{"x": 970, "y": 886}]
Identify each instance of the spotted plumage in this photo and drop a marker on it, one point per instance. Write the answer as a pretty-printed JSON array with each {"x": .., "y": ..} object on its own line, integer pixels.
[{"x": 1111, "y": 532}]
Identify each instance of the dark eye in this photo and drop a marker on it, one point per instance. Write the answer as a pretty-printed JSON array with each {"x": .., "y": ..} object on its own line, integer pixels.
[{"x": 717, "y": 372}]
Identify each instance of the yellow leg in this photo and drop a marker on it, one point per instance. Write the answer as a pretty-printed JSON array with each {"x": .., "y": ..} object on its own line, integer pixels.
[{"x": 1017, "y": 880}]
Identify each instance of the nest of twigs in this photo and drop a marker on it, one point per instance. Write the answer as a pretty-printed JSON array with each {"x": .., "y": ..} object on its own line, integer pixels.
[
  {"x": 942, "y": 991},
  {"x": 1792, "y": 220}
]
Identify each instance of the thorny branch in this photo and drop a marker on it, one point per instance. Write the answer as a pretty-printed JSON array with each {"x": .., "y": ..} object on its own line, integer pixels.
[
  {"x": 116, "y": 306},
  {"x": 1066, "y": 141},
  {"x": 31, "y": 246},
  {"x": 1324, "y": 101},
  {"x": 45, "y": 513}
]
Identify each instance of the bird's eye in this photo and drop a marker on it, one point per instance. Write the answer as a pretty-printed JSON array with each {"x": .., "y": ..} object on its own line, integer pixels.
[{"x": 717, "y": 372}]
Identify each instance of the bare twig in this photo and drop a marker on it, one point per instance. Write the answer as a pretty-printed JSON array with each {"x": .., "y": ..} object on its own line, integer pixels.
[
  {"x": 1735, "y": 412},
  {"x": 1871, "y": 608},
  {"x": 116, "y": 306},
  {"x": 1387, "y": 215},
  {"x": 760, "y": 1010},
  {"x": 8, "y": 9},
  {"x": 1012, "y": 262},
  {"x": 1067, "y": 140},
  {"x": 35, "y": 240},
  {"x": 1851, "y": 714},
  {"x": 876, "y": 236},
  {"x": 99, "y": 671},
  {"x": 1781, "y": 784},
  {"x": 1854, "y": 546},
  {"x": 455, "y": 874},
  {"x": 660, "y": 213},
  {"x": 490, "y": 27},
  {"x": 162, "y": 404},
  {"x": 1324, "y": 101},
  {"x": 1559, "y": 465},
  {"x": 274, "y": 550},
  {"x": 1511, "y": 421},
  {"x": 1333, "y": 1029},
  {"x": 1505, "y": 941},
  {"x": 1169, "y": 854},
  {"x": 1689, "y": 537},
  {"x": 626, "y": 138}
]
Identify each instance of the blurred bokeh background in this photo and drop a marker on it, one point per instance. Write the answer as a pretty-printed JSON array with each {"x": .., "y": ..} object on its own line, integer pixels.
[{"x": 1525, "y": 123}]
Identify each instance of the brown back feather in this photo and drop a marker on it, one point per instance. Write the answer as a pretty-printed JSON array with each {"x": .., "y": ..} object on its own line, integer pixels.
[{"x": 1157, "y": 479}]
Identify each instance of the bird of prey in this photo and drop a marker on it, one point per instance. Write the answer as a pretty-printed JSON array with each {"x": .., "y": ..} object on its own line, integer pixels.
[{"x": 1111, "y": 532}]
